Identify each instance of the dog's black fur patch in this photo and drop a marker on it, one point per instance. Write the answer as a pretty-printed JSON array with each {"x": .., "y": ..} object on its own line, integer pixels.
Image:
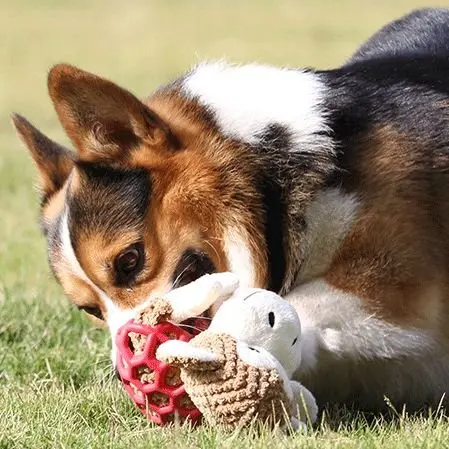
[
  {"x": 109, "y": 200},
  {"x": 422, "y": 32}
]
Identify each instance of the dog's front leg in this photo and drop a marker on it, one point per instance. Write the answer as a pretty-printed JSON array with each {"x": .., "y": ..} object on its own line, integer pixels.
[
  {"x": 346, "y": 349},
  {"x": 338, "y": 322}
]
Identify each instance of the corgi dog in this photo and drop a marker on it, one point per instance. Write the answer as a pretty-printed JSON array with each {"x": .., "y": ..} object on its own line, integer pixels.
[{"x": 330, "y": 187}]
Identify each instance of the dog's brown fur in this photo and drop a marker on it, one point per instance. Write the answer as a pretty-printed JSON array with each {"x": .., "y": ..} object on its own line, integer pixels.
[{"x": 396, "y": 256}]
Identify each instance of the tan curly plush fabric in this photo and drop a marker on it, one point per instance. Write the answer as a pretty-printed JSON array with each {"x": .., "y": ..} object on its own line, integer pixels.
[
  {"x": 158, "y": 311},
  {"x": 231, "y": 393}
]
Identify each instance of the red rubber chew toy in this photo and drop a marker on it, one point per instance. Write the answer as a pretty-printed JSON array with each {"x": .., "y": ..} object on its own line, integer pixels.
[{"x": 155, "y": 387}]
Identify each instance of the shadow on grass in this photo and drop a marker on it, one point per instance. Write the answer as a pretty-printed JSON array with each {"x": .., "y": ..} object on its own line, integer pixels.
[{"x": 335, "y": 418}]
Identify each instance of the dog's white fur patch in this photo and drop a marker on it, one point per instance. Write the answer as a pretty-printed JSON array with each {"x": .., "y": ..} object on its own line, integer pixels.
[
  {"x": 337, "y": 322},
  {"x": 329, "y": 218},
  {"x": 240, "y": 259},
  {"x": 246, "y": 99}
]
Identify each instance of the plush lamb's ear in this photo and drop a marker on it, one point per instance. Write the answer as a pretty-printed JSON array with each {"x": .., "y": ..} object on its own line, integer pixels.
[
  {"x": 53, "y": 161},
  {"x": 185, "y": 355},
  {"x": 102, "y": 119}
]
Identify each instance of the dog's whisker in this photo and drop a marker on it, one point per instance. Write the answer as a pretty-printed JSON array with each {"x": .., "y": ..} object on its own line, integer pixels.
[
  {"x": 212, "y": 246},
  {"x": 182, "y": 272},
  {"x": 190, "y": 327},
  {"x": 220, "y": 239}
]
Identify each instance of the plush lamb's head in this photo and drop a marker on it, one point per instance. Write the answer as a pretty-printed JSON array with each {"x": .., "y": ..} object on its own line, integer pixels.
[
  {"x": 257, "y": 317},
  {"x": 262, "y": 319}
]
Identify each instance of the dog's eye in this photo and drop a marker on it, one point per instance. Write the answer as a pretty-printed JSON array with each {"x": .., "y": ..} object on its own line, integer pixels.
[
  {"x": 94, "y": 311},
  {"x": 271, "y": 319},
  {"x": 128, "y": 264}
]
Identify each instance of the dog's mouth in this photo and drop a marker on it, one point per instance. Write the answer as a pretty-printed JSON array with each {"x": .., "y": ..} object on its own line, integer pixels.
[
  {"x": 192, "y": 265},
  {"x": 196, "y": 325}
]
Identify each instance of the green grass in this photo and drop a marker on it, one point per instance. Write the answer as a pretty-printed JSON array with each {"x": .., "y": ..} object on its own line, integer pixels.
[{"x": 56, "y": 387}]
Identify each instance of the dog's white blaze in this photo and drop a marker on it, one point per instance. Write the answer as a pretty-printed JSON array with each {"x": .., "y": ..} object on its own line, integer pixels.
[
  {"x": 246, "y": 99},
  {"x": 336, "y": 321},
  {"x": 69, "y": 253},
  {"x": 239, "y": 257},
  {"x": 329, "y": 218},
  {"x": 116, "y": 317}
]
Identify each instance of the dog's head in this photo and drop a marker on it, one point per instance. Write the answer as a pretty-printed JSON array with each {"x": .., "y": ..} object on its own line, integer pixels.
[{"x": 152, "y": 198}]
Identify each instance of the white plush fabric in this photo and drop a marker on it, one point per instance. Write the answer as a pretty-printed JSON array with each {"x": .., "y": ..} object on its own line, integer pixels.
[{"x": 263, "y": 319}]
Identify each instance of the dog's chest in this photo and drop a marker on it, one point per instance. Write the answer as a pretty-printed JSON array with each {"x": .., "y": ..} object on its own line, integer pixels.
[{"x": 328, "y": 219}]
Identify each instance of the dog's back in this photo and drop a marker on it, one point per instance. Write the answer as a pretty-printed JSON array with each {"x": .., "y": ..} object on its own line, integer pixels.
[{"x": 423, "y": 31}]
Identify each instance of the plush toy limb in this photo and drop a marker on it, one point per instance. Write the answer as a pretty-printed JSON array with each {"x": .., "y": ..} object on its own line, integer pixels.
[
  {"x": 195, "y": 298},
  {"x": 184, "y": 355},
  {"x": 304, "y": 403},
  {"x": 298, "y": 425}
]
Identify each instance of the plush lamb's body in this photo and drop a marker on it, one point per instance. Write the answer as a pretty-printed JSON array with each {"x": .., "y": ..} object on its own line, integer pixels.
[{"x": 238, "y": 370}]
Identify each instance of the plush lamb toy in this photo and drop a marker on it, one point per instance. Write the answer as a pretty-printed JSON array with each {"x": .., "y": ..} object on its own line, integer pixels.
[{"x": 239, "y": 369}]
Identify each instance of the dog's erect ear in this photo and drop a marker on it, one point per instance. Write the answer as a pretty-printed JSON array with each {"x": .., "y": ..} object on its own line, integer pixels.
[
  {"x": 103, "y": 120},
  {"x": 53, "y": 161},
  {"x": 187, "y": 356}
]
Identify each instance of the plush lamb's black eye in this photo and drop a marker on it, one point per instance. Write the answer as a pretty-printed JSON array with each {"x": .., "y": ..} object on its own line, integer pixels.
[
  {"x": 253, "y": 349},
  {"x": 271, "y": 319},
  {"x": 128, "y": 264},
  {"x": 294, "y": 341}
]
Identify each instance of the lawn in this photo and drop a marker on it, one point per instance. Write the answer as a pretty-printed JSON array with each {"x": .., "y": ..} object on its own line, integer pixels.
[{"x": 56, "y": 384}]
